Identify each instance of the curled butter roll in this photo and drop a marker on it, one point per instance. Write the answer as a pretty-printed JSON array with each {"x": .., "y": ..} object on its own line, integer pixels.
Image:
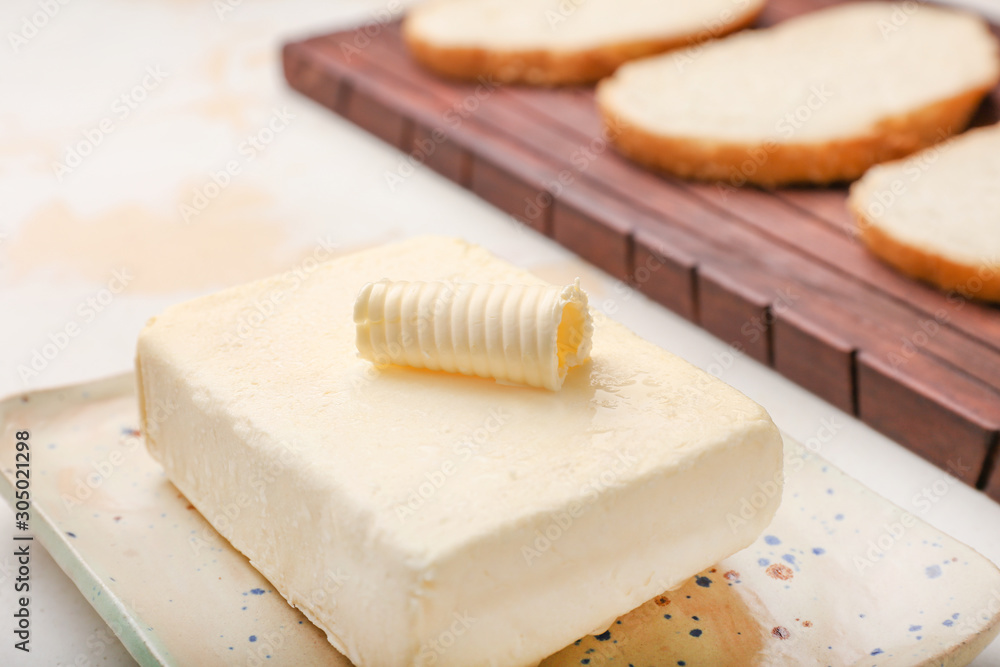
[{"x": 517, "y": 334}]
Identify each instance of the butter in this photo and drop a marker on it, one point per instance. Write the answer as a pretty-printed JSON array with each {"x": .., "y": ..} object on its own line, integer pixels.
[
  {"x": 516, "y": 334},
  {"x": 427, "y": 519}
]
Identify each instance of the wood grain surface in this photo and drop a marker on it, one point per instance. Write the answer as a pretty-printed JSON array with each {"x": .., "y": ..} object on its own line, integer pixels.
[{"x": 778, "y": 275}]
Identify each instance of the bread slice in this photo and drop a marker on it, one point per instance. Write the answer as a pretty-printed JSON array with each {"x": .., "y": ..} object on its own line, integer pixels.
[
  {"x": 816, "y": 99},
  {"x": 936, "y": 215},
  {"x": 553, "y": 42}
]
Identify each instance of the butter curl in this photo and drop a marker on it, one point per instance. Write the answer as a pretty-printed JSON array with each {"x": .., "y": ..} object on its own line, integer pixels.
[{"x": 517, "y": 334}]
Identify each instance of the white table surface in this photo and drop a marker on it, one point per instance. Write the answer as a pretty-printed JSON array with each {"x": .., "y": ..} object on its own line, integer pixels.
[{"x": 319, "y": 181}]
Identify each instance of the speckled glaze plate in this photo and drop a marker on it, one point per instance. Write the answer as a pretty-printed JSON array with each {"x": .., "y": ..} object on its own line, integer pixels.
[{"x": 841, "y": 577}]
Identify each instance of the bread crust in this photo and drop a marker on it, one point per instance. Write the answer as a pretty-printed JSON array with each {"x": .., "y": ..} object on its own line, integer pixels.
[
  {"x": 846, "y": 159},
  {"x": 980, "y": 282},
  {"x": 542, "y": 67}
]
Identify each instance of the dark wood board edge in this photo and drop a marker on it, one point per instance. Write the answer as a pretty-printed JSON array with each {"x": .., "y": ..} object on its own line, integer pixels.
[
  {"x": 815, "y": 359},
  {"x": 665, "y": 272},
  {"x": 990, "y": 481},
  {"x": 950, "y": 437}
]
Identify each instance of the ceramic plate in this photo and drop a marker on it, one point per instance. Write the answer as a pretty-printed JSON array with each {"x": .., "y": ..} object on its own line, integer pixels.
[{"x": 841, "y": 577}]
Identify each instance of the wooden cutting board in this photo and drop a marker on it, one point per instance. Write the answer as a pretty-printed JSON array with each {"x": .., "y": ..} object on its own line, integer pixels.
[{"x": 779, "y": 275}]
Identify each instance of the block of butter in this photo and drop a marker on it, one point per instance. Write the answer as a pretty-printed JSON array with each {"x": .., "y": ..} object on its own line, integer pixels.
[{"x": 427, "y": 518}]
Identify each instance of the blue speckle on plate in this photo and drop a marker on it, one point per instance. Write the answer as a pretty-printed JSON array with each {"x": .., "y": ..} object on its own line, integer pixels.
[
  {"x": 604, "y": 636},
  {"x": 914, "y": 628},
  {"x": 789, "y": 558},
  {"x": 695, "y": 633},
  {"x": 253, "y": 638},
  {"x": 772, "y": 540},
  {"x": 257, "y": 591},
  {"x": 819, "y": 551},
  {"x": 763, "y": 562},
  {"x": 948, "y": 623},
  {"x": 704, "y": 582},
  {"x": 71, "y": 534},
  {"x": 933, "y": 571},
  {"x": 839, "y": 517},
  {"x": 877, "y": 651}
]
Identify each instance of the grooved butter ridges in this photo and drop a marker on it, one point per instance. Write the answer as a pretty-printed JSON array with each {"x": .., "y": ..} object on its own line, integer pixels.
[
  {"x": 520, "y": 334},
  {"x": 397, "y": 506}
]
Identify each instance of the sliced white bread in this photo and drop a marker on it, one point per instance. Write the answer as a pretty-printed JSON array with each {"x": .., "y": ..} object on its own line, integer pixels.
[
  {"x": 936, "y": 215},
  {"x": 816, "y": 99},
  {"x": 553, "y": 42}
]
